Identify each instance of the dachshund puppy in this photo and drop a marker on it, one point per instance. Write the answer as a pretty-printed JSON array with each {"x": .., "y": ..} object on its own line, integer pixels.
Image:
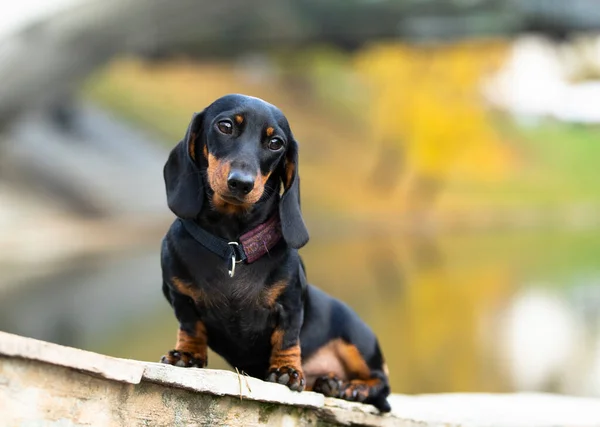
[{"x": 230, "y": 263}]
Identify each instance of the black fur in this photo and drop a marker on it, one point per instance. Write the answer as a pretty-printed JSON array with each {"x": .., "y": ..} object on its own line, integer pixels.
[
  {"x": 185, "y": 189},
  {"x": 238, "y": 318}
]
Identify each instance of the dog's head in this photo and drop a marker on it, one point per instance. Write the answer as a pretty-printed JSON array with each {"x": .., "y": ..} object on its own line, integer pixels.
[{"x": 236, "y": 153}]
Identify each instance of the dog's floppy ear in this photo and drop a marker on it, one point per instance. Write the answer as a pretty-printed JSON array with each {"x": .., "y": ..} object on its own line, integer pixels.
[
  {"x": 183, "y": 180},
  {"x": 292, "y": 225}
]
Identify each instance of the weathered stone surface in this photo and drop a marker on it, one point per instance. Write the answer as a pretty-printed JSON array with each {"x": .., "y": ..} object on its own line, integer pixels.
[
  {"x": 34, "y": 394},
  {"x": 92, "y": 363},
  {"x": 225, "y": 383},
  {"x": 44, "y": 384}
]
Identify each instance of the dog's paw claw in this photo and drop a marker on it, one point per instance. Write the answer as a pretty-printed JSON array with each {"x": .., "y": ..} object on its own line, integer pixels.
[
  {"x": 286, "y": 375},
  {"x": 183, "y": 359}
]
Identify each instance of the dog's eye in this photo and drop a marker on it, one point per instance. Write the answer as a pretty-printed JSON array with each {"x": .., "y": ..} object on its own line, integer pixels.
[
  {"x": 275, "y": 144},
  {"x": 225, "y": 126}
]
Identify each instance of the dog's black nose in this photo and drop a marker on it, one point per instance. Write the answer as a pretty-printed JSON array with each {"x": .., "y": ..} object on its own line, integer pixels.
[{"x": 240, "y": 183}]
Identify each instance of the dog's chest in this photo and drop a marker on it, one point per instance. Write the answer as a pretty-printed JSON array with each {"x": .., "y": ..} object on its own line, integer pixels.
[
  {"x": 245, "y": 291},
  {"x": 238, "y": 306}
]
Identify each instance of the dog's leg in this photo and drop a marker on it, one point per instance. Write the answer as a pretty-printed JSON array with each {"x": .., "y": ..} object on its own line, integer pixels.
[
  {"x": 191, "y": 346},
  {"x": 358, "y": 390},
  {"x": 285, "y": 364},
  {"x": 362, "y": 383}
]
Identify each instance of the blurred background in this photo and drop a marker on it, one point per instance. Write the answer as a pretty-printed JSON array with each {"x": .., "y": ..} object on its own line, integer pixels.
[{"x": 467, "y": 233}]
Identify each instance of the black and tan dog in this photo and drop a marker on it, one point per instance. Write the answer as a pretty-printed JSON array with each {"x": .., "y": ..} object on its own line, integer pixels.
[{"x": 231, "y": 269}]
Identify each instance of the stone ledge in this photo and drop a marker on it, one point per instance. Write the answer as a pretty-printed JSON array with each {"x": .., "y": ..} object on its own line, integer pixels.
[
  {"x": 92, "y": 363},
  {"x": 48, "y": 384}
]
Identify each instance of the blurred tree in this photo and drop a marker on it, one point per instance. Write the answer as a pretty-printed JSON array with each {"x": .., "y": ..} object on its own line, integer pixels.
[{"x": 425, "y": 102}]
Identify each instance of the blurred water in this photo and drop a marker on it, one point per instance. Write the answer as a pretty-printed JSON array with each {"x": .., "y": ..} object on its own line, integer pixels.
[{"x": 496, "y": 312}]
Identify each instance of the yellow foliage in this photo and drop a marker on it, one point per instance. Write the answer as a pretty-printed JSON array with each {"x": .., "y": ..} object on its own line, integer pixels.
[{"x": 428, "y": 100}]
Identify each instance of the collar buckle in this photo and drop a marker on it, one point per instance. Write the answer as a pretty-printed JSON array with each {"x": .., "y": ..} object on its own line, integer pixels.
[{"x": 234, "y": 261}]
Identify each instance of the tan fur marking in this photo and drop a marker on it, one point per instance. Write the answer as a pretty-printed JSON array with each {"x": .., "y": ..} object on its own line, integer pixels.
[
  {"x": 371, "y": 382},
  {"x": 265, "y": 178},
  {"x": 290, "y": 168},
  {"x": 205, "y": 152},
  {"x": 229, "y": 208},
  {"x": 259, "y": 188},
  {"x": 325, "y": 361},
  {"x": 336, "y": 358},
  {"x": 192, "y": 146},
  {"x": 195, "y": 344},
  {"x": 353, "y": 361},
  {"x": 361, "y": 387},
  {"x": 217, "y": 172},
  {"x": 271, "y": 294},
  {"x": 284, "y": 357},
  {"x": 187, "y": 289},
  {"x": 239, "y": 119},
  {"x": 270, "y": 131}
]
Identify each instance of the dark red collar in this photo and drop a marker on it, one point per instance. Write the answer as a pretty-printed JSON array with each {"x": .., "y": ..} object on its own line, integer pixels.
[
  {"x": 251, "y": 245},
  {"x": 259, "y": 241}
]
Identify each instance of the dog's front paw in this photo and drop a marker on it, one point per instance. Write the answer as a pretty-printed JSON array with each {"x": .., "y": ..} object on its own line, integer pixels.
[
  {"x": 183, "y": 359},
  {"x": 286, "y": 375}
]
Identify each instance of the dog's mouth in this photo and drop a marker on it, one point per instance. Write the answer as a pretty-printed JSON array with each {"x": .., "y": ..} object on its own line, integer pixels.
[{"x": 231, "y": 199}]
